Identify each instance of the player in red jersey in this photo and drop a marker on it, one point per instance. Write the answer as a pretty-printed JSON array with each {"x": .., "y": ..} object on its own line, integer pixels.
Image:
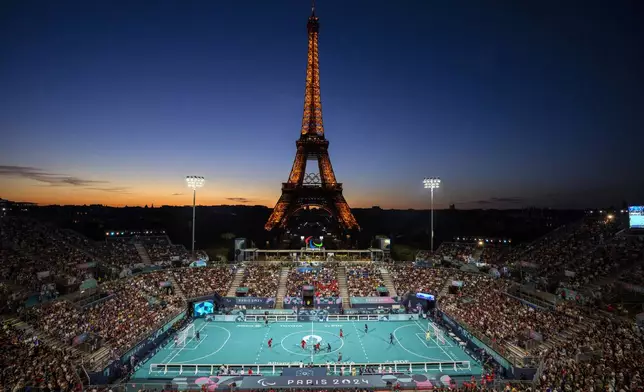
[
  {"x": 341, "y": 334},
  {"x": 270, "y": 342},
  {"x": 303, "y": 343}
]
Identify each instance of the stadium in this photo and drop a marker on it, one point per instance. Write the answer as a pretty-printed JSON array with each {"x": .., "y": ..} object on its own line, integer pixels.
[{"x": 135, "y": 311}]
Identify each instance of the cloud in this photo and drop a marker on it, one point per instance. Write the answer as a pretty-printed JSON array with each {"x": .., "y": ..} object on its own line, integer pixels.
[
  {"x": 499, "y": 200},
  {"x": 239, "y": 199},
  {"x": 177, "y": 194},
  {"x": 56, "y": 179},
  {"x": 39, "y": 175},
  {"x": 111, "y": 190}
]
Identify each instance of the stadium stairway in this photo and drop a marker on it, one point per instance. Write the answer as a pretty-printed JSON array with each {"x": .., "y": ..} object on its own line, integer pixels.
[
  {"x": 100, "y": 358},
  {"x": 177, "y": 288},
  {"x": 559, "y": 339},
  {"x": 445, "y": 290},
  {"x": 476, "y": 255},
  {"x": 344, "y": 287},
  {"x": 143, "y": 253},
  {"x": 43, "y": 337},
  {"x": 281, "y": 291},
  {"x": 515, "y": 350},
  {"x": 389, "y": 282},
  {"x": 239, "y": 277}
]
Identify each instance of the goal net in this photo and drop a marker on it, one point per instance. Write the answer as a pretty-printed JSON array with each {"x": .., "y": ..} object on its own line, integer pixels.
[
  {"x": 438, "y": 333},
  {"x": 185, "y": 334}
]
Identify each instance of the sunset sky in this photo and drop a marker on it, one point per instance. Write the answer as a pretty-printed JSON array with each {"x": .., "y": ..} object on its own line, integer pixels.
[{"x": 511, "y": 104}]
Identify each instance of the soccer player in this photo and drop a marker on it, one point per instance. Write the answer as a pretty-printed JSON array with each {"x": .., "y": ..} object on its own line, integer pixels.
[
  {"x": 341, "y": 334},
  {"x": 428, "y": 336},
  {"x": 303, "y": 344},
  {"x": 266, "y": 321},
  {"x": 197, "y": 335},
  {"x": 176, "y": 340},
  {"x": 366, "y": 328},
  {"x": 328, "y": 347},
  {"x": 391, "y": 338},
  {"x": 339, "y": 357},
  {"x": 270, "y": 342}
]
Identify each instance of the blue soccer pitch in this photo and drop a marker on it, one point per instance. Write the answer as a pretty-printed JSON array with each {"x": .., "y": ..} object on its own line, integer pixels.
[{"x": 247, "y": 344}]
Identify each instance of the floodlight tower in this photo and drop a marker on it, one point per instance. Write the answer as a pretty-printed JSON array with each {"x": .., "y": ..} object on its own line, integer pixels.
[
  {"x": 194, "y": 182},
  {"x": 431, "y": 183}
]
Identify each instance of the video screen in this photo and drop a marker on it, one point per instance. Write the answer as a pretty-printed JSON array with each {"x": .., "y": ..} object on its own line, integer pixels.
[
  {"x": 636, "y": 217},
  {"x": 203, "y": 308}
]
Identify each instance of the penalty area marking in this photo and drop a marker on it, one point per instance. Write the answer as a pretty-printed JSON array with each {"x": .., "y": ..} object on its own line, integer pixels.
[
  {"x": 424, "y": 340},
  {"x": 201, "y": 339},
  {"x": 437, "y": 342},
  {"x": 411, "y": 352},
  {"x": 182, "y": 347},
  {"x": 194, "y": 360}
]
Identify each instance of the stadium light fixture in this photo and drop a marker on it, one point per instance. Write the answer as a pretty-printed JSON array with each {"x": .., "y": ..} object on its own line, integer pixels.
[
  {"x": 194, "y": 182},
  {"x": 431, "y": 183}
]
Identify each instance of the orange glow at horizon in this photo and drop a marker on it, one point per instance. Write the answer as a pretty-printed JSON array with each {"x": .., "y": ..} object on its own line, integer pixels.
[{"x": 159, "y": 194}]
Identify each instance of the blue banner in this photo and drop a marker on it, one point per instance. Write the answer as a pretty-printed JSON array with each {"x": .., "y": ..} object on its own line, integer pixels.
[{"x": 264, "y": 303}]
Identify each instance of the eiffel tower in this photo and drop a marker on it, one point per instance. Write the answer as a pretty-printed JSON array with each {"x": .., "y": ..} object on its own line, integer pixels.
[{"x": 312, "y": 190}]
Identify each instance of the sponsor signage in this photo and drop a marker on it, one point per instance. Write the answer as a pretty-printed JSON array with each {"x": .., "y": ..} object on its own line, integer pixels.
[
  {"x": 271, "y": 312},
  {"x": 319, "y": 301},
  {"x": 253, "y": 301},
  {"x": 361, "y": 381},
  {"x": 260, "y": 382},
  {"x": 372, "y": 300},
  {"x": 320, "y": 315}
]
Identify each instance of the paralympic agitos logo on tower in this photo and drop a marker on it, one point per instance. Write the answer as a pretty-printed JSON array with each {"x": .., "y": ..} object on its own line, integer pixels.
[{"x": 310, "y": 243}]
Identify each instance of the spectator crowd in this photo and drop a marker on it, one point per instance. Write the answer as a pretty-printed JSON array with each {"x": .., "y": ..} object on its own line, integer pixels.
[
  {"x": 410, "y": 279},
  {"x": 582, "y": 349},
  {"x": 200, "y": 281},
  {"x": 364, "y": 280},
  {"x": 261, "y": 280},
  {"x": 133, "y": 309},
  {"x": 27, "y": 363},
  {"x": 324, "y": 279}
]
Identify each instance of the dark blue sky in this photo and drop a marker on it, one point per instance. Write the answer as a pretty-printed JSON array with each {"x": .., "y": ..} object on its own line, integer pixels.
[{"x": 511, "y": 103}]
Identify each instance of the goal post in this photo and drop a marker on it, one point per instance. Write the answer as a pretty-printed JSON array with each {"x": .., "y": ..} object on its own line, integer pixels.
[
  {"x": 438, "y": 333},
  {"x": 185, "y": 334}
]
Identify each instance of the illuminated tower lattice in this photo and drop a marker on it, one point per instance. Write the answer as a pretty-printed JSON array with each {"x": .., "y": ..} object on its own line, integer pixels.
[{"x": 302, "y": 189}]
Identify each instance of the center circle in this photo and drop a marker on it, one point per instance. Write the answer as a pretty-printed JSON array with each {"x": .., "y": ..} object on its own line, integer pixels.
[{"x": 313, "y": 337}]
